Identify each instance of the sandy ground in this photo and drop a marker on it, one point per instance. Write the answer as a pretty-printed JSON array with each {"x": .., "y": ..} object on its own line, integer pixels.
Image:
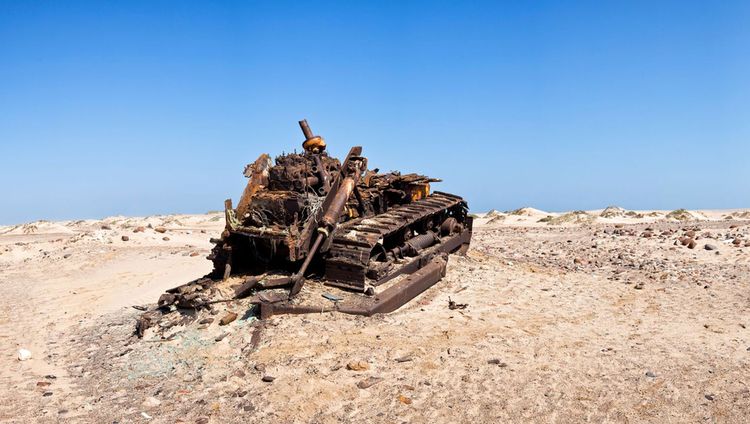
[{"x": 571, "y": 317}]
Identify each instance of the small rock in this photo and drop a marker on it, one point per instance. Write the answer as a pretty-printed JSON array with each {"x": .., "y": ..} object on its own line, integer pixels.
[
  {"x": 692, "y": 244},
  {"x": 67, "y": 255},
  {"x": 638, "y": 286},
  {"x": 106, "y": 227},
  {"x": 47, "y": 394},
  {"x": 220, "y": 337},
  {"x": 165, "y": 238},
  {"x": 193, "y": 254},
  {"x": 369, "y": 382},
  {"x": 151, "y": 402},
  {"x": 226, "y": 319},
  {"x": 358, "y": 366},
  {"x": 268, "y": 378},
  {"x": 497, "y": 362},
  {"x": 160, "y": 230},
  {"x": 709, "y": 247},
  {"x": 24, "y": 354},
  {"x": 709, "y": 396},
  {"x": 139, "y": 229},
  {"x": 405, "y": 400},
  {"x": 125, "y": 238},
  {"x": 260, "y": 367},
  {"x": 206, "y": 321},
  {"x": 650, "y": 374}
]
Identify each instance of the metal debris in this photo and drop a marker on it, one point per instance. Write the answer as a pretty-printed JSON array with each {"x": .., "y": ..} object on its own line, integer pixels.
[
  {"x": 308, "y": 217},
  {"x": 453, "y": 305}
]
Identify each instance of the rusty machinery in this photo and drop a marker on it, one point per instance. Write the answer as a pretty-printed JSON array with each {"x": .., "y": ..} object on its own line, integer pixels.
[{"x": 312, "y": 234}]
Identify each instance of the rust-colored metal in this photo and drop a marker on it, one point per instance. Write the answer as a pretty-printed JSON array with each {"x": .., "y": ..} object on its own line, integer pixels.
[
  {"x": 312, "y": 143},
  {"x": 376, "y": 240}
]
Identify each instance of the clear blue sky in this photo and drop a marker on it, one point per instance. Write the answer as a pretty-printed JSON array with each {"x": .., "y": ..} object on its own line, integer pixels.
[{"x": 151, "y": 107}]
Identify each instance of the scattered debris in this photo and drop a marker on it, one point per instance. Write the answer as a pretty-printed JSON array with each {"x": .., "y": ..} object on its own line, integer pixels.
[
  {"x": 453, "y": 305},
  {"x": 331, "y": 297}
]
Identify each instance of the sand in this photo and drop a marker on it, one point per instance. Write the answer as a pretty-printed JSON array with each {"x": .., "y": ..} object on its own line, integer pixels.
[{"x": 570, "y": 317}]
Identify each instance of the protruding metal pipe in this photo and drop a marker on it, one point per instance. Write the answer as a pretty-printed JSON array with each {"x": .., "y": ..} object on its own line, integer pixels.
[{"x": 306, "y": 129}]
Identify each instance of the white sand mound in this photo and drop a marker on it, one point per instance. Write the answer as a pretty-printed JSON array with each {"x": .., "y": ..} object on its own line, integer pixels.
[
  {"x": 38, "y": 227},
  {"x": 613, "y": 212},
  {"x": 527, "y": 211},
  {"x": 492, "y": 213},
  {"x": 574, "y": 217},
  {"x": 685, "y": 215}
]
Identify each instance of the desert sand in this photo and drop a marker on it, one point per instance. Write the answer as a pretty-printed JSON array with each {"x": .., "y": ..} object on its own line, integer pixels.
[{"x": 603, "y": 316}]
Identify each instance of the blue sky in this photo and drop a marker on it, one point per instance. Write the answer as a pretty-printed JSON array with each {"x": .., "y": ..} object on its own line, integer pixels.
[{"x": 151, "y": 107}]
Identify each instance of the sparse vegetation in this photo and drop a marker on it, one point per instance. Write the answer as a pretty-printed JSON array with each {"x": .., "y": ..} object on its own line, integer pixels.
[
  {"x": 680, "y": 215},
  {"x": 575, "y": 217},
  {"x": 612, "y": 212}
]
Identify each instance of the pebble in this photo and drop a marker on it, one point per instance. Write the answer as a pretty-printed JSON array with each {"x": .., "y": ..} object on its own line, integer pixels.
[
  {"x": 638, "y": 286},
  {"x": 268, "y": 378},
  {"x": 358, "y": 366},
  {"x": 709, "y": 247},
  {"x": 24, "y": 354},
  {"x": 67, "y": 255},
  {"x": 193, "y": 254},
  {"x": 139, "y": 229},
  {"x": 165, "y": 238},
  {"x": 125, "y": 238},
  {"x": 369, "y": 382},
  {"x": 160, "y": 230},
  {"x": 404, "y": 399},
  {"x": 709, "y": 396},
  {"x": 151, "y": 402},
  {"x": 226, "y": 319},
  {"x": 106, "y": 227},
  {"x": 650, "y": 374}
]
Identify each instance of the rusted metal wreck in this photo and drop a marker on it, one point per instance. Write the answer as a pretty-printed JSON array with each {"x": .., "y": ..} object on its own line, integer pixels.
[{"x": 312, "y": 234}]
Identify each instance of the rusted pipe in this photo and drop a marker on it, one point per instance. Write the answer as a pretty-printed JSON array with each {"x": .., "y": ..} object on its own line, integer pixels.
[{"x": 306, "y": 129}]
